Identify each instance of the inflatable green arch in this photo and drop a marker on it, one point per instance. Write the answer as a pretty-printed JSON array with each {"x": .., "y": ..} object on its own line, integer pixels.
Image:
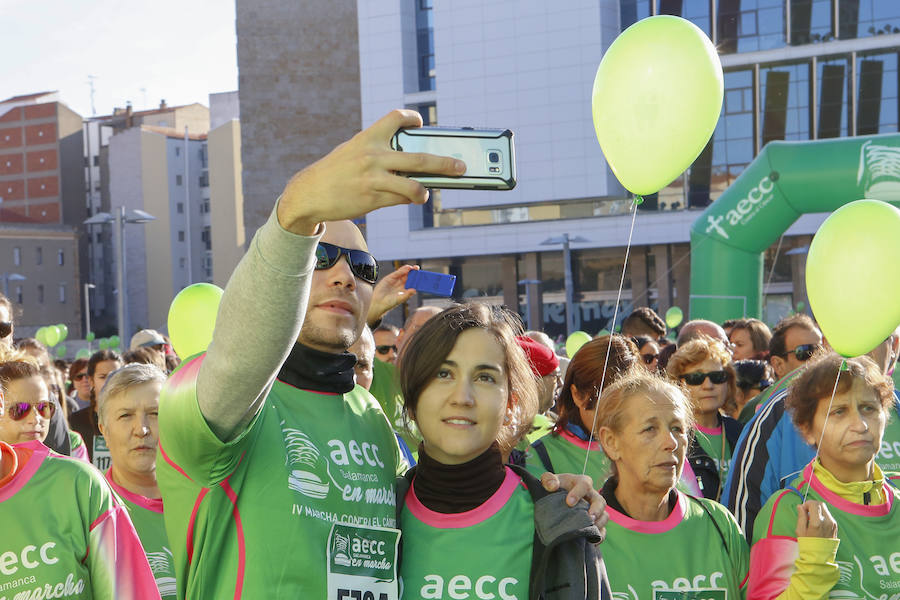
[{"x": 786, "y": 180}]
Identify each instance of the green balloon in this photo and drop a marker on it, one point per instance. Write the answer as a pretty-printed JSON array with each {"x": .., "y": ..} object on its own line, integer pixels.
[
  {"x": 674, "y": 317},
  {"x": 575, "y": 341},
  {"x": 61, "y": 351},
  {"x": 192, "y": 318},
  {"x": 114, "y": 341},
  {"x": 800, "y": 307},
  {"x": 52, "y": 334},
  {"x": 103, "y": 343},
  {"x": 90, "y": 336},
  {"x": 656, "y": 101},
  {"x": 852, "y": 278},
  {"x": 63, "y": 331},
  {"x": 40, "y": 334},
  {"x": 83, "y": 353}
]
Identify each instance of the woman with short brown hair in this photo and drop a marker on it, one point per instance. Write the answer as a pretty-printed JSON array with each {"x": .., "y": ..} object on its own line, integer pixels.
[{"x": 704, "y": 366}]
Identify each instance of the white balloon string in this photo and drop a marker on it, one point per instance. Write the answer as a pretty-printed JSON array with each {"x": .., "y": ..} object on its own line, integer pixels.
[
  {"x": 612, "y": 329},
  {"x": 821, "y": 437}
]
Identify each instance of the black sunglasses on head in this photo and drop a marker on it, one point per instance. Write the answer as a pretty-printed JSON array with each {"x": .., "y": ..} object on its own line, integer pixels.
[
  {"x": 362, "y": 264},
  {"x": 699, "y": 377},
  {"x": 803, "y": 352}
]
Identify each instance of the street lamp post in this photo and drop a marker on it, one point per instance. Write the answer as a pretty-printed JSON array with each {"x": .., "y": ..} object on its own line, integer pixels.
[
  {"x": 7, "y": 277},
  {"x": 119, "y": 219},
  {"x": 564, "y": 239},
  {"x": 87, "y": 307}
]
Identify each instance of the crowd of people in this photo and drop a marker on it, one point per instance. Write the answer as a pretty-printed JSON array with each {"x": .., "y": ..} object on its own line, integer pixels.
[{"x": 315, "y": 451}]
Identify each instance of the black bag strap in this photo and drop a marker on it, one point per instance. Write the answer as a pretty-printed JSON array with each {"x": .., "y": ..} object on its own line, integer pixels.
[{"x": 542, "y": 453}]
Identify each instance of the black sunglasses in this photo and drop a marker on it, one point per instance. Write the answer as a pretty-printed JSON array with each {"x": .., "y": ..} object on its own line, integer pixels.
[
  {"x": 362, "y": 264},
  {"x": 5, "y": 328},
  {"x": 385, "y": 349},
  {"x": 698, "y": 378},
  {"x": 649, "y": 358},
  {"x": 803, "y": 352}
]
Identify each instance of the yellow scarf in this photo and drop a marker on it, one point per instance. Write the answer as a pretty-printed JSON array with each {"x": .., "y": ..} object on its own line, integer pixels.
[{"x": 854, "y": 490}]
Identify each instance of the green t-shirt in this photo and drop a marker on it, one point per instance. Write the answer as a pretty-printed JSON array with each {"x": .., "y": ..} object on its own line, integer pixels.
[
  {"x": 256, "y": 513},
  {"x": 868, "y": 555},
  {"x": 888, "y": 457},
  {"x": 684, "y": 557},
  {"x": 147, "y": 516},
  {"x": 481, "y": 553},
  {"x": 711, "y": 441},
  {"x": 386, "y": 389},
  {"x": 64, "y": 535}
]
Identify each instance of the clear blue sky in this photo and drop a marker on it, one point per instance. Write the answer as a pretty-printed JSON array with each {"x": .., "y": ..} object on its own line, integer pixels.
[{"x": 180, "y": 50}]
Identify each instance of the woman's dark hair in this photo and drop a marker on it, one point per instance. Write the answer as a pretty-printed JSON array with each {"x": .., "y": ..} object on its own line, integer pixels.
[
  {"x": 753, "y": 374},
  {"x": 585, "y": 371},
  {"x": 430, "y": 345},
  {"x": 817, "y": 380},
  {"x": 97, "y": 358},
  {"x": 642, "y": 340}
]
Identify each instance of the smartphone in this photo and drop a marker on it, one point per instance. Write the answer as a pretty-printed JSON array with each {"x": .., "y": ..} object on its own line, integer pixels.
[
  {"x": 489, "y": 155},
  {"x": 438, "y": 284}
]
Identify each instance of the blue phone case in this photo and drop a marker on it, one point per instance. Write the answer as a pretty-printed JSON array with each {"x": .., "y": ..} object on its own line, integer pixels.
[{"x": 431, "y": 283}]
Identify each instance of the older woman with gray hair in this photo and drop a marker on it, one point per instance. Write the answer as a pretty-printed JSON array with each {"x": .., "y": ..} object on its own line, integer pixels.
[{"x": 127, "y": 407}]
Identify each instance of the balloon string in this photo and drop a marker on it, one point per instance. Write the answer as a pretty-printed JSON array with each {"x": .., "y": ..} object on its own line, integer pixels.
[
  {"x": 587, "y": 453},
  {"x": 843, "y": 367}
]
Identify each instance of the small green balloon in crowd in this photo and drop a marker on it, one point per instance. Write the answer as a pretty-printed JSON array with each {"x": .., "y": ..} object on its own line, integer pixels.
[
  {"x": 576, "y": 340},
  {"x": 192, "y": 318},
  {"x": 103, "y": 343},
  {"x": 52, "y": 335},
  {"x": 83, "y": 353},
  {"x": 63, "y": 331},
  {"x": 800, "y": 307},
  {"x": 61, "y": 352},
  {"x": 90, "y": 336},
  {"x": 114, "y": 341},
  {"x": 39, "y": 335},
  {"x": 656, "y": 101},
  {"x": 674, "y": 317},
  {"x": 852, "y": 279}
]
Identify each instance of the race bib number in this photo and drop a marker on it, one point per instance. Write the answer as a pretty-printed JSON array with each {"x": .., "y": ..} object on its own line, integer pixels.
[
  {"x": 690, "y": 594},
  {"x": 100, "y": 457},
  {"x": 362, "y": 563}
]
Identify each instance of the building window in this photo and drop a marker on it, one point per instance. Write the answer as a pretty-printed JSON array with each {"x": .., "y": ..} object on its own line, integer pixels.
[
  {"x": 62, "y": 293},
  {"x": 17, "y": 256},
  {"x": 39, "y": 255},
  {"x": 178, "y": 180},
  {"x": 204, "y": 179},
  {"x": 40, "y": 293},
  {"x": 179, "y": 208},
  {"x": 99, "y": 237},
  {"x": 177, "y": 151},
  {"x": 181, "y": 236},
  {"x": 18, "y": 294},
  {"x": 182, "y": 262},
  {"x": 96, "y": 161},
  {"x": 204, "y": 156},
  {"x": 425, "y": 44},
  {"x": 60, "y": 257}
]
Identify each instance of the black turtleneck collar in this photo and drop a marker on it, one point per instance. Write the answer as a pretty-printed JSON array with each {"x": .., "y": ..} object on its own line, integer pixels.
[
  {"x": 452, "y": 489},
  {"x": 318, "y": 371}
]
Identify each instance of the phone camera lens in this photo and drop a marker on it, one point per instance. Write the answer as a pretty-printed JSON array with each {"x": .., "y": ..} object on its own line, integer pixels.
[{"x": 494, "y": 157}]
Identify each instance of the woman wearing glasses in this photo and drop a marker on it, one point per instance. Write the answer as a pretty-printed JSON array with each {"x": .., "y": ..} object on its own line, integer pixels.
[
  {"x": 85, "y": 547},
  {"x": 833, "y": 531},
  {"x": 649, "y": 351},
  {"x": 704, "y": 366},
  {"x": 81, "y": 383}
]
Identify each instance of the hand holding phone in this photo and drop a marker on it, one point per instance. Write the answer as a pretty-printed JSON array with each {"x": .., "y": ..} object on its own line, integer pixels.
[{"x": 489, "y": 155}]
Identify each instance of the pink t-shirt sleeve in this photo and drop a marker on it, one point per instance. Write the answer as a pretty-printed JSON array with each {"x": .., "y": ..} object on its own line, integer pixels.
[{"x": 116, "y": 559}]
